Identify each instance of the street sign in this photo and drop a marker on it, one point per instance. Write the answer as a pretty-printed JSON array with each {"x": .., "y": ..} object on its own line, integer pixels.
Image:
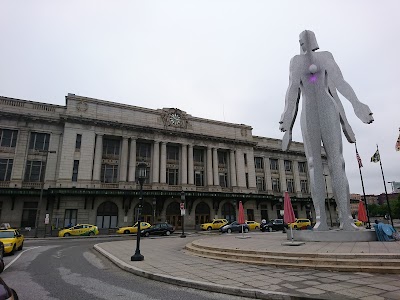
[
  {"x": 46, "y": 221},
  {"x": 182, "y": 205},
  {"x": 183, "y": 212}
]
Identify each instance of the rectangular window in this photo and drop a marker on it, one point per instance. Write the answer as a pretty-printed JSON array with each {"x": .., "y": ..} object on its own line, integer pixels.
[
  {"x": 75, "y": 171},
  {"x": 109, "y": 173},
  {"x": 143, "y": 151},
  {"x": 264, "y": 212},
  {"x": 288, "y": 165},
  {"x": 304, "y": 186},
  {"x": 258, "y": 163},
  {"x": 111, "y": 147},
  {"x": 223, "y": 179},
  {"x": 302, "y": 167},
  {"x": 199, "y": 178},
  {"x": 273, "y": 164},
  {"x": 5, "y": 169},
  {"x": 34, "y": 171},
  {"x": 221, "y": 158},
  {"x": 70, "y": 217},
  {"x": 290, "y": 185},
  {"x": 173, "y": 153},
  {"x": 247, "y": 180},
  {"x": 172, "y": 176},
  {"x": 39, "y": 141},
  {"x": 198, "y": 155},
  {"x": 260, "y": 181},
  {"x": 8, "y": 138},
  {"x": 78, "y": 141},
  {"x": 276, "y": 185},
  {"x": 245, "y": 159},
  {"x": 29, "y": 214}
]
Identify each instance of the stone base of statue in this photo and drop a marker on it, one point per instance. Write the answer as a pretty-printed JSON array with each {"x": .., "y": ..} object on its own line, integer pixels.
[{"x": 362, "y": 235}]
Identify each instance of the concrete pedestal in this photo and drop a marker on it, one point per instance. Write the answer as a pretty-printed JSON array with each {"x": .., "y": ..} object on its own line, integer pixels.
[{"x": 364, "y": 235}]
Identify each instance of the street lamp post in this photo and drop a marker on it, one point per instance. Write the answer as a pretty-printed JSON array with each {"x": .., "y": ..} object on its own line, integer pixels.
[
  {"x": 154, "y": 209},
  {"x": 141, "y": 177},
  {"x": 183, "y": 198},
  {"x": 329, "y": 202},
  {"x": 41, "y": 191}
]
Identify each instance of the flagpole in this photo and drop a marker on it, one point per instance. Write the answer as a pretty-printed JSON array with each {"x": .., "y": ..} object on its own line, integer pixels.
[
  {"x": 384, "y": 184},
  {"x": 362, "y": 184}
]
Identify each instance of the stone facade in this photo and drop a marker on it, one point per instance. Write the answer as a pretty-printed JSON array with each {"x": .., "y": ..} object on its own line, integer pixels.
[{"x": 83, "y": 157}]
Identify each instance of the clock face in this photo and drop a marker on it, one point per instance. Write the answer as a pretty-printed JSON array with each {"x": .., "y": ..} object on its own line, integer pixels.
[{"x": 175, "y": 119}]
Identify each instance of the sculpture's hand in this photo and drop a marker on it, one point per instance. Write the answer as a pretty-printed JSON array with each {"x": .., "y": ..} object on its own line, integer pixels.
[
  {"x": 284, "y": 123},
  {"x": 363, "y": 112}
]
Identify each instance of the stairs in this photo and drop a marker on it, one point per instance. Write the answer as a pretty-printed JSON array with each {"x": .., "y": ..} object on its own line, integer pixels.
[{"x": 386, "y": 263}]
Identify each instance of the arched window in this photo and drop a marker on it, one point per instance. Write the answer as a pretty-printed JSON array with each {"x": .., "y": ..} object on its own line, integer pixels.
[
  {"x": 107, "y": 215},
  {"x": 173, "y": 214},
  {"x": 147, "y": 212},
  {"x": 202, "y": 213},
  {"x": 228, "y": 212}
]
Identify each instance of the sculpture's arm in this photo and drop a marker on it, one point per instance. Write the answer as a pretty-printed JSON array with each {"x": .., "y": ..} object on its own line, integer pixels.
[
  {"x": 361, "y": 110},
  {"x": 292, "y": 98}
]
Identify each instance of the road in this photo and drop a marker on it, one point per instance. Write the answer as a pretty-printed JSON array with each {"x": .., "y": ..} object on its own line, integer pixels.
[{"x": 66, "y": 269}]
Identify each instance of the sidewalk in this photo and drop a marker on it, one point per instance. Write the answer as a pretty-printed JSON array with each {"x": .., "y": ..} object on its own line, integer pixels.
[{"x": 166, "y": 260}]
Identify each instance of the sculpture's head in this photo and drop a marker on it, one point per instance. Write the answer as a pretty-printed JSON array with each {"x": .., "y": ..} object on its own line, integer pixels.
[{"x": 308, "y": 41}]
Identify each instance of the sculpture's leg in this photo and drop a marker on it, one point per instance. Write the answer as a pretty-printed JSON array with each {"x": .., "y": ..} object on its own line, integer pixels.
[
  {"x": 332, "y": 139},
  {"x": 312, "y": 146}
]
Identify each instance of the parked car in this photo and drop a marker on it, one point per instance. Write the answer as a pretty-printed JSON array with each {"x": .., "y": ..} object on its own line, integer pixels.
[
  {"x": 6, "y": 292},
  {"x": 273, "y": 225},
  {"x": 158, "y": 229},
  {"x": 1, "y": 257},
  {"x": 12, "y": 239},
  {"x": 253, "y": 225},
  {"x": 234, "y": 227},
  {"x": 215, "y": 224},
  {"x": 300, "y": 224},
  {"x": 79, "y": 230},
  {"x": 358, "y": 223},
  {"x": 133, "y": 228}
]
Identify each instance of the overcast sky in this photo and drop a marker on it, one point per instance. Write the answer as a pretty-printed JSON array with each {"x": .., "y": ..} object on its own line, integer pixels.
[{"x": 222, "y": 60}]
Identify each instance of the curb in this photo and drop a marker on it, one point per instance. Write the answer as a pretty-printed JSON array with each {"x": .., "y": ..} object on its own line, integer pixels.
[{"x": 211, "y": 287}]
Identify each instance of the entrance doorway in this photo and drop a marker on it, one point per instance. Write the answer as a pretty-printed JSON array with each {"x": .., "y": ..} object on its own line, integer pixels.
[
  {"x": 202, "y": 213},
  {"x": 228, "y": 212},
  {"x": 107, "y": 215},
  {"x": 173, "y": 215},
  {"x": 147, "y": 213}
]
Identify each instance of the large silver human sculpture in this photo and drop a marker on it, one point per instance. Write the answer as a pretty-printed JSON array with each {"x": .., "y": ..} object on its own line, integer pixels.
[{"x": 315, "y": 76}]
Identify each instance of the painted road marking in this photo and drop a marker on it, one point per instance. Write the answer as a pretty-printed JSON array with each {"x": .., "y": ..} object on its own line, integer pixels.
[{"x": 15, "y": 259}]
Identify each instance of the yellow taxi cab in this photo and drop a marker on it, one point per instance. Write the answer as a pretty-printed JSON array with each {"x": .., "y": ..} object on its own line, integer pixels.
[
  {"x": 253, "y": 225},
  {"x": 134, "y": 228},
  {"x": 358, "y": 223},
  {"x": 215, "y": 224},
  {"x": 79, "y": 230},
  {"x": 12, "y": 239},
  {"x": 300, "y": 224}
]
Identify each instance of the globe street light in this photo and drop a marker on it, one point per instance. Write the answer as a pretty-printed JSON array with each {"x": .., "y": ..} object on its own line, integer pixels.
[
  {"x": 183, "y": 198},
  {"x": 141, "y": 176}
]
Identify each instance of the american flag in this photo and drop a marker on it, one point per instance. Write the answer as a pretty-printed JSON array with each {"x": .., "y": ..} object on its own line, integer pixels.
[
  {"x": 360, "y": 165},
  {"x": 398, "y": 143}
]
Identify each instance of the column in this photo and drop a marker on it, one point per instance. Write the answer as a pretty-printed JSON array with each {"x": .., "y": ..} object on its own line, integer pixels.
[
  {"x": 282, "y": 175},
  {"x": 156, "y": 162},
  {"x": 190, "y": 165},
  {"x": 296, "y": 176},
  {"x": 98, "y": 153},
  {"x": 215, "y": 166},
  {"x": 124, "y": 160},
  {"x": 209, "y": 167},
  {"x": 251, "y": 169},
  {"x": 184, "y": 164},
  {"x": 232, "y": 167},
  {"x": 267, "y": 174},
  {"x": 163, "y": 166},
  {"x": 241, "y": 177},
  {"x": 132, "y": 161}
]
